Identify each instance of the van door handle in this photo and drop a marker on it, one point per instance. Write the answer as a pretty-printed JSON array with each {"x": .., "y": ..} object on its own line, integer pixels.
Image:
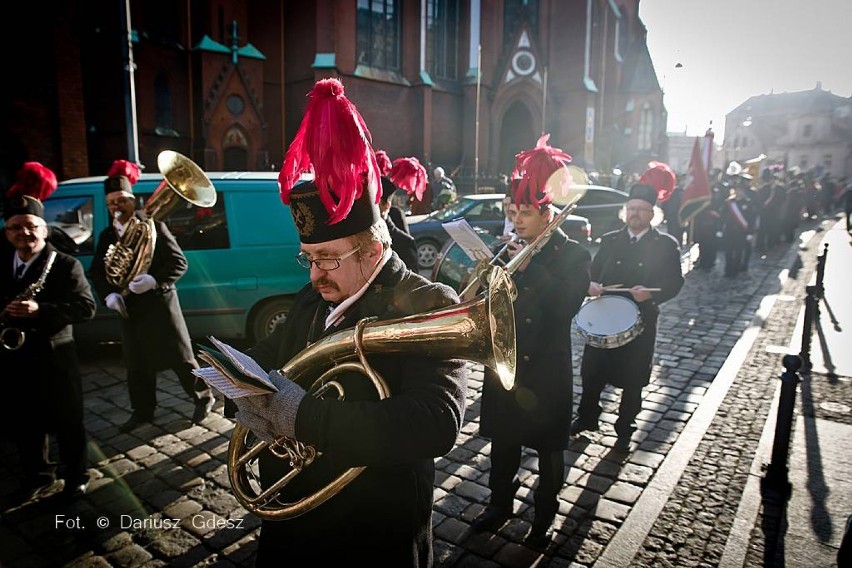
[{"x": 247, "y": 283}]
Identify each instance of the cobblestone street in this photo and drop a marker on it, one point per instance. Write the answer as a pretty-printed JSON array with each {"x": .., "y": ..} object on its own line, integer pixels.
[{"x": 679, "y": 496}]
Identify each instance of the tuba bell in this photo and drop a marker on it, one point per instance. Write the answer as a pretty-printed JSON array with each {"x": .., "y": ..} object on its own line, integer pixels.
[
  {"x": 480, "y": 330},
  {"x": 183, "y": 180}
]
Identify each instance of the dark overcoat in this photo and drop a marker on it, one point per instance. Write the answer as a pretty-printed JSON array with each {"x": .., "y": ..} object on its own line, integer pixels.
[
  {"x": 154, "y": 334},
  {"x": 403, "y": 244},
  {"x": 383, "y": 517},
  {"x": 42, "y": 378},
  {"x": 536, "y": 412},
  {"x": 653, "y": 262}
]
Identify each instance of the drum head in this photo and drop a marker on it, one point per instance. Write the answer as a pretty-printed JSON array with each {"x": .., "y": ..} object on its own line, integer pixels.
[{"x": 607, "y": 315}]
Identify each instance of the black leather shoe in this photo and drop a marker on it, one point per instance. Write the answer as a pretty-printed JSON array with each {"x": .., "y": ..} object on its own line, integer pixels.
[
  {"x": 583, "y": 426},
  {"x": 203, "y": 406},
  {"x": 541, "y": 533},
  {"x": 492, "y": 519},
  {"x": 134, "y": 422}
]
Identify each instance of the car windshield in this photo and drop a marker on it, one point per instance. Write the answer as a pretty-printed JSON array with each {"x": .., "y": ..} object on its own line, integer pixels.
[{"x": 452, "y": 211}]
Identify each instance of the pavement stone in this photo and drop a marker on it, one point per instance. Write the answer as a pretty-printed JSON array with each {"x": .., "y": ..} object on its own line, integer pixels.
[{"x": 165, "y": 494}]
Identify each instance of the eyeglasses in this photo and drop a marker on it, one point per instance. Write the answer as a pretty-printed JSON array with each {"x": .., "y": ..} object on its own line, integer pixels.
[
  {"x": 638, "y": 210},
  {"x": 31, "y": 227},
  {"x": 118, "y": 201},
  {"x": 326, "y": 264}
]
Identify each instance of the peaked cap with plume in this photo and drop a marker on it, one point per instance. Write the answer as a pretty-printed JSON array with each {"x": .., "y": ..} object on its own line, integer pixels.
[
  {"x": 661, "y": 177},
  {"x": 533, "y": 170},
  {"x": 409, "y": 175},
  {"x": 332, "y": 141}
]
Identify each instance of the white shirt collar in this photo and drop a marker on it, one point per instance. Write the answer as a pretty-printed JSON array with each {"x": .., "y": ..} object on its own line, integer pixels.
[
  {"x": 337, "y": 313},
  {"x": 119, "y": 227},
  {"x": 19, "y": 261},
  {"x": 638, "y": 235}
]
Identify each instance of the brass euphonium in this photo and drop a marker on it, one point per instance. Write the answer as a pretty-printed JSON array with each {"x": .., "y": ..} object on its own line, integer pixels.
[
  {"x": 481, "y": 330},
  {"x": 183, "y": 180}
]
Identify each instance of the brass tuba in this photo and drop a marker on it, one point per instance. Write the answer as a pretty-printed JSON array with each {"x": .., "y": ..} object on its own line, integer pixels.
[
  {"x": 183, "y": 180},
  {"x": 480, "y": 330}
]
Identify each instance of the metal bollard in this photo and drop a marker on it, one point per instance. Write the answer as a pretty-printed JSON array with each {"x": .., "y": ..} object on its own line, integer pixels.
[
  {"x": 815, "y": 293},
  {"x": 776, "y": 472},
  {"x": 820, "y": 272},
  {"x": 811, "y": 309}
]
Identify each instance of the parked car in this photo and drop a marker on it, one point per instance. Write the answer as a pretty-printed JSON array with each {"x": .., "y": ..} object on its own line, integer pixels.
[
  {"x": 242, "y": 271},
  {"x": 601, "y": 206},
  {"x": 484, "y": 211}
]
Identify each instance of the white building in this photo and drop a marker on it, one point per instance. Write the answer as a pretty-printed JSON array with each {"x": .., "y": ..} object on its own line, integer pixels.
[{"x": 808, "y": 129}]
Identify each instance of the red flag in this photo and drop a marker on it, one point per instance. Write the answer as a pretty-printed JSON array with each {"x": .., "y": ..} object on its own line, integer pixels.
[{"x": 696, "y": 193}]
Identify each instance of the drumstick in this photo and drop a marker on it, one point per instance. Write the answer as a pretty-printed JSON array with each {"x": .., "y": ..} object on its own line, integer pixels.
[
  {"x": 611, "y": 286},
  {"x": 629, "y": 289}
]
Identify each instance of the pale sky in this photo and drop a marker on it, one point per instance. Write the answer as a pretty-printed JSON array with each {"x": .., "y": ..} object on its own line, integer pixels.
[{"x": 735, "y": 49}]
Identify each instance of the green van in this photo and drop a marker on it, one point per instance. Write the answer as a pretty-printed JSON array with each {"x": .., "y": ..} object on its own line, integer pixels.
[{"x": 242, "y": 269}]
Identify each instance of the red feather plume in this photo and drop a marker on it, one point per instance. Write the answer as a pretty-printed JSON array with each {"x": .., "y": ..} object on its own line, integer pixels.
[
  {"x": 384, "y": 162},
  {"x": 534, "y": 167},
  {"x": 410, "y": 175},
  {"x": 123, "y": 168},
  {"x": 35, "y": 180},
  {"x": 661, "y": 177},
  {"x": 334, "y": 142}
]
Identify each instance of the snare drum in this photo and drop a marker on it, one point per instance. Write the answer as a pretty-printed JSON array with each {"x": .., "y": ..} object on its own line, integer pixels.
[{"x": 608, "y": 322}]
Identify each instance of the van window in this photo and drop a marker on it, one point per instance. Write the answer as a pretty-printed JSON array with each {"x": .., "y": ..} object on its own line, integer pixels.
[
  {"x": 73, "y": 216},
  {"x": 199, "y": 228}
]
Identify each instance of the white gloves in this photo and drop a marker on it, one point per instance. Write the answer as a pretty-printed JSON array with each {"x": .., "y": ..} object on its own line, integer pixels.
[
  {"x": 142, "y": 284},
  {"x": 115, "y": 302}
]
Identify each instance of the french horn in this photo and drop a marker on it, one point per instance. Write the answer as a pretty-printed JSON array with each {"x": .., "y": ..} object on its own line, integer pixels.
[{"x": 481, "y": 330}]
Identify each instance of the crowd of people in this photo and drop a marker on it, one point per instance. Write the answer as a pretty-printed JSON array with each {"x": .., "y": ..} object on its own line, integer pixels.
[
  {"x": 747, "y": 216},
  {"x": 362, "y": 266}
]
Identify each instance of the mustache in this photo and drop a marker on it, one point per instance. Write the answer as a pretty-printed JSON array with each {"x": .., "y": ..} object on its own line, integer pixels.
[{"x": 324, "y": 282}]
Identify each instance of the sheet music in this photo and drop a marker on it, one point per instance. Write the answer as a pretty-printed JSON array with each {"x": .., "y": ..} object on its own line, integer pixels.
[
  {"x": 243, "y": 362},
  {"x": 219, "y": 381},
  {"x": 463, "y": 234},
  {"x": 234, "y": 381}
]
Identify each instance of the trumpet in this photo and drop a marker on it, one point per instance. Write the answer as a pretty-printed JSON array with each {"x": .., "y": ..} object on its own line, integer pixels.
[{"x": 13, "y": 338}]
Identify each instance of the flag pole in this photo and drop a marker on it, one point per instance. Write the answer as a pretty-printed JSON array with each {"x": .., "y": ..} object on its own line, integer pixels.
[
  {"x": 544, "y": 103},
  {"x": 476, "y": 133}
]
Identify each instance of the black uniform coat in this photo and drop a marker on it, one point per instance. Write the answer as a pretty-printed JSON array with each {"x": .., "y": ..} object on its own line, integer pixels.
[
  {"x": 154, "y": 334},
  {"x": 383, "y": 517},
  {"x": 537, "y": 411},
  {"x": 42, "y": 378},
  {"x": 654, "y": 262},
  {"x": 402, "y": 244}
]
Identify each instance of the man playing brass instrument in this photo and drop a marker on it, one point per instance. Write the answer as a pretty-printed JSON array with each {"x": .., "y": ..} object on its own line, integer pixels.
[
  {"x": 42, "y": 392},
  {"x": 153, "y": 333},
  {"x": 383, "y": 517},
  {"x": 551, "y": 286}
]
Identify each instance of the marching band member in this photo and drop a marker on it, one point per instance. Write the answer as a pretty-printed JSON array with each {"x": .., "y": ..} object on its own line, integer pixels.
[
  {"x": 636, "y": 257},
  {"x": 408, "y": 175},
  {"x": 42, "y": 386},
  {"x": 551, "y": 286},
  {"x": 154, "y": 336},
  {"x": 383, "y": 517}
]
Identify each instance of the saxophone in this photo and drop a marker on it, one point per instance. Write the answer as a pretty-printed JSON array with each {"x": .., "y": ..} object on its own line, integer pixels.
[{"x": 12, "y": 338}]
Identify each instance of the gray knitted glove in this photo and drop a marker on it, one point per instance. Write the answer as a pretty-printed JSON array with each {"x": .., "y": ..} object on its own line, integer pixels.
[{"x": 271, "y": 416}]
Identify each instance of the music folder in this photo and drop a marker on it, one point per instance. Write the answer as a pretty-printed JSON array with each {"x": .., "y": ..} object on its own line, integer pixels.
[{"x": 464, "y": 235}]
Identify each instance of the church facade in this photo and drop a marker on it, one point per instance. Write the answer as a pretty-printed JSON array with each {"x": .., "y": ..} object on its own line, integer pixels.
[{"x": 462, "y": 84}]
